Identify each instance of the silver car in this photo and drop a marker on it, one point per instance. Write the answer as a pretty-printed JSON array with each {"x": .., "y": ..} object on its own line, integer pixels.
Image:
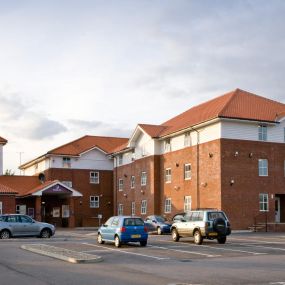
[{"x": 16, "y": 225}]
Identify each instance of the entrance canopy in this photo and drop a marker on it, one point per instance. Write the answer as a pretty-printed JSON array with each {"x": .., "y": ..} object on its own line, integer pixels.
[{"x": 53, "y": 188}]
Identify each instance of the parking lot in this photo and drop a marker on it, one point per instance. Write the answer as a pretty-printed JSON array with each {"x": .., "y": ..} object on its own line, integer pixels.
[{"x": 246, "y": 258}]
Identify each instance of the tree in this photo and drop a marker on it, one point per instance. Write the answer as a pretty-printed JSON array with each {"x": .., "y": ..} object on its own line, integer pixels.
[{"x": 9, "y": 172}]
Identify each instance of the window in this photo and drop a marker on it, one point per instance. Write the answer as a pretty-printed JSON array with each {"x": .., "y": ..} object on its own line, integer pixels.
[
  {"x": 143, "y": 207},
  {"x": 143, "y": 179},
  {"x": 187, "y": 139},
  {"x": 133, "y": 208},
  {"x": 120, "y": 159},
  {"x": 167, "y": 145},
  {"x": 167, "y": 205},
  {"x": 263, "y": 202},
  {"x": 94, "y": 201},
  {"x": 1, "y": 208},
  {"x": 132, "y": 182},
  {"x": 66, "y": 163},
  {"x": 262, "y": 167},
  {"x": 187, "y": 171},
  {"x": 121, "y": 184},
  {"x": 187, "y": 203},
  {"x": 262, "y": 133},
  {"x": 94, "y": 177},
  {"x": 21, "y": 209},
  {"x": 67, "y": 183},
  {"x": 167, "y": 175},
  {"x": 120, "y": 209}
]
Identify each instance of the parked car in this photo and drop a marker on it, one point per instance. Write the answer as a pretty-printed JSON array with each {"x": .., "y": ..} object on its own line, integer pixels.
[
  {"x": 201, "y": 224},
  {"x": 16, "y": 225},
  {"x": 123, "y": 229},
  {"x": 158, "y": 224},
  {"x": 178, "y": 217}
]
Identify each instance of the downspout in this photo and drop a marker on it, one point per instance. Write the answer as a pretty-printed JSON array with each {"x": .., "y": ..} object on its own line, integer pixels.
[{"x": 116, "y": 186}]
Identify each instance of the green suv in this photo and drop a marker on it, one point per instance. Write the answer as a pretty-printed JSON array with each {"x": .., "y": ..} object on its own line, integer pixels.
[{"x": 202, "y": 224}]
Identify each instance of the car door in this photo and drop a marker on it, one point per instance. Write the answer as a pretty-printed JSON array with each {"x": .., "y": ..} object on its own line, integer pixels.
[
  {"x": 150, "y": 222},
  {"x": 184, "y": 225},
  {"x": 29, "y": 227},
  {"x": 14, "y": 225},
  {"x": 106, "y": 229}
]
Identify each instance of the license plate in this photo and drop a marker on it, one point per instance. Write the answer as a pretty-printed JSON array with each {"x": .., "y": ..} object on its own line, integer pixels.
[
  {"x": 212, "y": 234},
  {"x": 135, "y": 236}
]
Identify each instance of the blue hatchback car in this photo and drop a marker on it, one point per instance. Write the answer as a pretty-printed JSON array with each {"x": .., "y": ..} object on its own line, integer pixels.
[{"x": 123, "y": 229}]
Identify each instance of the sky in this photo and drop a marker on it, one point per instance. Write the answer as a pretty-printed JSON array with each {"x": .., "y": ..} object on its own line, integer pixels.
[{"x": 88, "y": 67}]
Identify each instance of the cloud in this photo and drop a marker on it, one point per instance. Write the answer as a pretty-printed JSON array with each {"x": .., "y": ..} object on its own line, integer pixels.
[{"x": 99, "y": 128}]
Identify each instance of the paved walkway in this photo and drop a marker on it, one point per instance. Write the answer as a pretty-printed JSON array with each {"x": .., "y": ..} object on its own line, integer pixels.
[{"x": 62, "y": 253}]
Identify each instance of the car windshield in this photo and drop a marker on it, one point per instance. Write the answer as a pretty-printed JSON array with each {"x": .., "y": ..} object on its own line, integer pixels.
[
  {"x": 160, "y": 219},
  {"x": 215, "y": 215},
  {"x": 133, "y": 222}
]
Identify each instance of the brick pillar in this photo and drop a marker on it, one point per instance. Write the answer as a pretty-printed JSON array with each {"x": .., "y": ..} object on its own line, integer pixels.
[
  {"x": 38, "y": 208},
  {"x": 71, "y": 219}
]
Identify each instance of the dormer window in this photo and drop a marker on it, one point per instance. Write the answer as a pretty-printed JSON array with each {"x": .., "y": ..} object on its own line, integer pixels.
[
  {"x": 167, "y": 145},
  {"x": 120, "y": 162},
  {"x": 187, "y": 139},
  {"x": 66, "y": 162},
  {"x": 262, "y": 133}
]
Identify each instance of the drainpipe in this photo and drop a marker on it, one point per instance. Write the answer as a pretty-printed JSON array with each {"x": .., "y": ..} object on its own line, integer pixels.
[
  {"x": 116, "y": 187},
  {"x": 198, "y": 168}
]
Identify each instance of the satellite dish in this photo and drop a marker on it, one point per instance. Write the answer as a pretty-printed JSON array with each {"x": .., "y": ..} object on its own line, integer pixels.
[{"x": 42, "y": 177}]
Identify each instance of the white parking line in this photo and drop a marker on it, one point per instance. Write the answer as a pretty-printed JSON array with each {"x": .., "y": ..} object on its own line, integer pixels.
[
  {"x": 127, "y": 252},
  {"x": 185, "y": 251},
  {"x": 259, "y": 241},
  {"x": 220, "y": 248},
  {"x": 262, "y": 246}
]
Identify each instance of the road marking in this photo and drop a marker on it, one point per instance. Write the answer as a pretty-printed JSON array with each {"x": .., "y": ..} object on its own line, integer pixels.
[
  {"x": 259, "y": 241},
  {"x": 262, "y": 246},
  {"x": 220, "y": 248},
  {"x": 185, "y": 251},
  {"x": 127, "y": 252}
]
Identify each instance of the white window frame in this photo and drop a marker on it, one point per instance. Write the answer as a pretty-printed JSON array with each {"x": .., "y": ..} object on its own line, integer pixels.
[
  {"x": 121, "y": 184},
  {"x": 94, "y": 177},
  {"x": 133, "y": 207},
  {"x": 66, "y": 162},
  {"x": 262, "y": 133},
  {"x": 187, "y": 172},
  {"x": 94, "y": 201},
  {"x": 21, "y": 209},
  {"x": 263, "y": 202},
  {"x": 167, "y": 175},
  {"x": 133, "y": 180},
  {"x": 167, "y": 145},
  {"x": 120, "y": 209},
  {"x": 187, "y": 203},
  {"x": 143, "y": 207},
  {"x": 67, "y": 183},
  {"x": 143, "y": 178},
  {"x": 1, "y": 207},
  {"x": 262, "y": 167},
  {"x": 120, "y": 159},
  {"x": 167, "y": 205},
  {"x": 187, "y": 139}
]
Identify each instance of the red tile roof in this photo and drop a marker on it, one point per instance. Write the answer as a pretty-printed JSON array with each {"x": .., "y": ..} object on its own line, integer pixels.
[
  {"x": 153, "y": 130},
  {"x": 107, "y": 144},
  {"x": 20, "y": 184},
  {"x": 237, "y": 104},
  {"x": 7, "y": 190},
  {"x": 3, "y": 141}
]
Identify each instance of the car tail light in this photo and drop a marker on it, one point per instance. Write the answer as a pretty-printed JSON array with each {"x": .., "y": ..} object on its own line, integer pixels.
[
  {"x": 123, "y": 229},
  {"x": 145, "y": 229}
]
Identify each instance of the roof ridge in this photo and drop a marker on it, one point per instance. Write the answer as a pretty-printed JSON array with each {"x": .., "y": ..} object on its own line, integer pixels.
[{"x": 232, "y": 96}]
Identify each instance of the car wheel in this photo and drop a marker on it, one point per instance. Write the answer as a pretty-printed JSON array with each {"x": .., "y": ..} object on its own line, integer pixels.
[
  {"x": 5, "y": 234},
  {"x": 45, "y": 233},
  {"x": 99, "y": 239},
  {"x": 198, "y": 239},
  {"x": 143, "y": 243},
  {"x": 117, "y": 241},
  {"x": 159, "y": 231},
  {"x": 222, "y": 240},
  {"x": 175, "y": 235}
]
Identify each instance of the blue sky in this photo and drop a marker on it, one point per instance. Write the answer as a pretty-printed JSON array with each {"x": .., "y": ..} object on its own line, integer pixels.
[{"x": 71, "y": 68}]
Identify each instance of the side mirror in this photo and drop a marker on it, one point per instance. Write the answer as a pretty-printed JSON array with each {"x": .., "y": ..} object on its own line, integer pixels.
[
  {"x": 105, "y": 225},
  {"x": 154, "y": 221}
]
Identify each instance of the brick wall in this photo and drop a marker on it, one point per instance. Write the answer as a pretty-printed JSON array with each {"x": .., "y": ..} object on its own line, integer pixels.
[{"x": 8, "y": 204}]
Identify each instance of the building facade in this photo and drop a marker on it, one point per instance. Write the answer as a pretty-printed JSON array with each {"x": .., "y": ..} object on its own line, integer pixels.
[
  {"x": 85, "y": 166},
  {"x": 227, "y": 153}
]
